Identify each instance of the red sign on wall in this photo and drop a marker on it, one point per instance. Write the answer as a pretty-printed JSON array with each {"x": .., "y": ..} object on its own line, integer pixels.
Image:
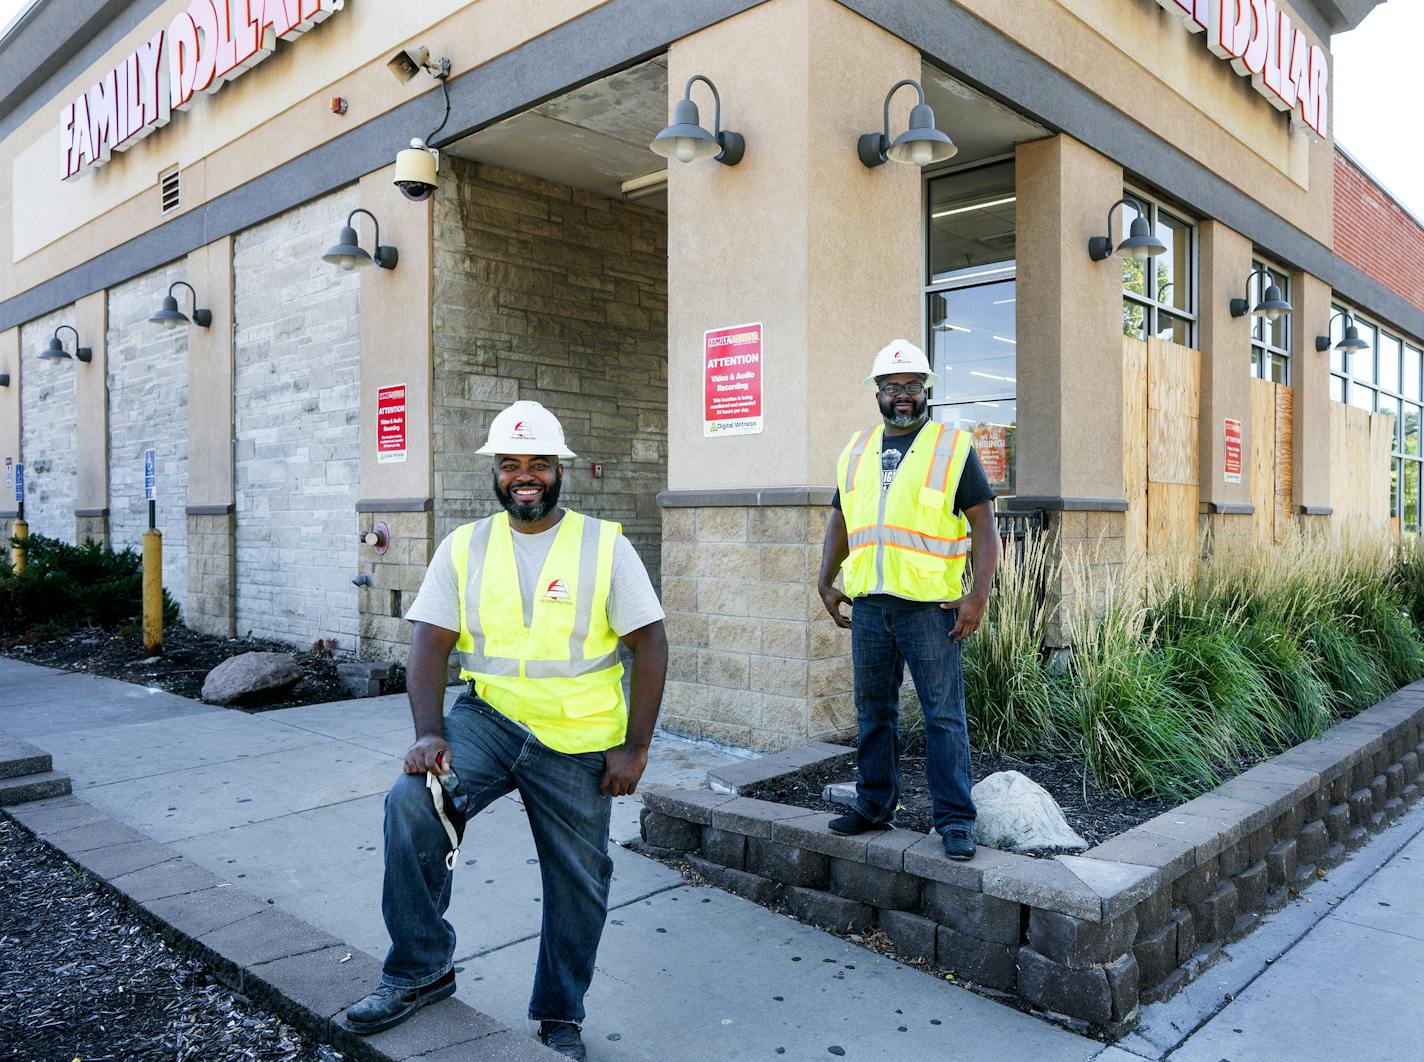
[
  {"x": 1233, "y": 451},
  {"x": 731, "y": 378},
  {"x": 390, "y": 424},
  {"x": 991, "y": 443}
]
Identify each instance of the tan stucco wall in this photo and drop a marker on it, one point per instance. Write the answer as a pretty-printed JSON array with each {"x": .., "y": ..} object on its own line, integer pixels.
[
  {"x": 9, "y": 412},
  {"x": 797, "y": 237},
  {"x": 1310, "y": 380},
  {"x": 1225, "y": 344},
  {"x": 210, "y": 378},
  {"x": 91, "y": 404}
]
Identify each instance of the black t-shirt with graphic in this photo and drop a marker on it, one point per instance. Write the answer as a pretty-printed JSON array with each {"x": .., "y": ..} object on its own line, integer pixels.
[{"x": 973, "y": 490}]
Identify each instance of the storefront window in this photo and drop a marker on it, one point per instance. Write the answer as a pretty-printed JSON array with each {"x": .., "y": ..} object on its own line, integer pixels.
[
  {"x": 1270, "y": 340},
  {"x": 971, "y": 303},
  {"x": 1159, "y": 295}
]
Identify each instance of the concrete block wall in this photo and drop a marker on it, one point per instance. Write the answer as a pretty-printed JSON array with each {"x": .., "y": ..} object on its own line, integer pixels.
[
  {"x": 212, "y": 574},
  {"x": 554, "y": 294},
  {"x": 148, "y": 407},
  {"x": 397, "y": 575},
  {"x": 296, "y": 368},
  {"x": 47, "y": 421}
]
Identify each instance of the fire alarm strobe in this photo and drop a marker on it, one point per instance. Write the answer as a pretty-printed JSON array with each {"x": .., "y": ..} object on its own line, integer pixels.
[
  {"x": 597, "y": 471},
  {"x": 378, "y": 538}
]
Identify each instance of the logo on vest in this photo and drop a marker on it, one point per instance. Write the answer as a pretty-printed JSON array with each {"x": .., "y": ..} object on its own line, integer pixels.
[{"x": 557, "y": 591}]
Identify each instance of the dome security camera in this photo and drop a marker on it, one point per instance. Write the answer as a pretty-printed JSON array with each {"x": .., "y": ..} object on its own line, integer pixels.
[{"x": 416, "y": 168}]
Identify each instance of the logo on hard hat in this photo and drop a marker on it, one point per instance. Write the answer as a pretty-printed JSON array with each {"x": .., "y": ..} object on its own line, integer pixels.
[
  {"x": 557, "y": 591},
  {"x": 899, "y": 355},
  {"x": 521, "y": 430}
]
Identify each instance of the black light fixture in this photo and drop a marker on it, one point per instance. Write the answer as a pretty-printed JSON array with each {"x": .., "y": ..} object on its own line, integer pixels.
[
  {"x": 4, "y": 379},
  {"x": 55, "y": 351},
  {"x": 347, "y": 252},
  {"x": 685, "y": 139},
  {"x": 1351, "y": 341},
  {"x": 1140, "y": 244},
  {"x": 1272, "y": 304},
  {"x": 921, "y": 144},
  {"x": 169, "y": 314}
]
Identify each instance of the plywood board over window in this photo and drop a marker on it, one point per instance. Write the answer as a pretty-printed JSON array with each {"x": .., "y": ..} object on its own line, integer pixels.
[
  {"x": 1161, "y": 387},
  {"x": 1361, "y": 449},
  {"x": 1272, "y": 460}
]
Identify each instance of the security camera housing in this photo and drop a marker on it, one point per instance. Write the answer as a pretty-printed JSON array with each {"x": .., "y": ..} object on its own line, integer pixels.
[{"x": 416, "y": 175}]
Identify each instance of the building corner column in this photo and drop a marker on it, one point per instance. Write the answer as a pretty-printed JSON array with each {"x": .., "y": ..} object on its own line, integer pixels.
[
  {"x": 9, "y": 435},
  {"x": 91, "y": 428},
  {"x": 1311, "y": 488}
]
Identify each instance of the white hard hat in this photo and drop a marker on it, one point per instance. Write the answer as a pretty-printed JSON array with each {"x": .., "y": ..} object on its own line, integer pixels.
[
  {"x": 900, "y": 355},
  {"x": 526, "y": 428}
]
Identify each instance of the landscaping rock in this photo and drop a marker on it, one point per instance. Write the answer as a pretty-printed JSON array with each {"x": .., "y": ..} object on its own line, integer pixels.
[
  {"x": 839, "y": 793},
  {"x": 250, "y": 676},
  {"x": 1016, "y": 812}
]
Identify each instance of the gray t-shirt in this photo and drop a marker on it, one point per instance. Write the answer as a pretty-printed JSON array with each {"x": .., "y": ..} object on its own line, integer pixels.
[{"x": 632, "y": 602}]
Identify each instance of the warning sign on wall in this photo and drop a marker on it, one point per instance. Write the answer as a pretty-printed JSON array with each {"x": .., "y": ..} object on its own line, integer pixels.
[
  {"x": 390, "y": 424},
  {"x": 731, "y": 377},
  {"x": 1233, "y": 451}
]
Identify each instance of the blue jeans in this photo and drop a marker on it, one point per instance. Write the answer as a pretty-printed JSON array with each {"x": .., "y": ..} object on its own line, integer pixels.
[
  {"x": 882, "y": 642},
  {"x": 569, "y": 819}
]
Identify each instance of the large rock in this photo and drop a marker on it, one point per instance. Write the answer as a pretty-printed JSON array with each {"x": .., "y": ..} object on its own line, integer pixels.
[
  {"x": 1015, "y": 812},
  {"x": 250, "y": 676}
]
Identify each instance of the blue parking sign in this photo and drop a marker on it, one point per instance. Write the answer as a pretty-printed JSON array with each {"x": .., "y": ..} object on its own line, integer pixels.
[
  {"x": 19, "y": 482},
  {"x": 150, "y": 475}
]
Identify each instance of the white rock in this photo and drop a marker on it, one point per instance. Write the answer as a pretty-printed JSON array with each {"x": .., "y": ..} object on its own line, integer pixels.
[
  {"x": 839, "y": 793},
  {"x": 1017, "y": 812},
  {"x": 248, "y": 675}
]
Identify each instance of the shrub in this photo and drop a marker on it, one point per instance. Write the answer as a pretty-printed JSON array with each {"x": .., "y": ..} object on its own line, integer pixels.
[{"x": 64, "y": 587}]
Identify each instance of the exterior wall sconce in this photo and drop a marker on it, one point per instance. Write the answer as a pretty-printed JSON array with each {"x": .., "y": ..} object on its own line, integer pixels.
[
  {"x": 1140, "y": 244},
  {"x": 920, "y": 145},
  {"x": 1350, "y": 343},
  {"x": 686, "y": 140},
  {"x": 1272, "y": 304},
  {"x": 56, "y": 351},
  {"x": 169, "y": 314},
  {"x": 347, "y": 252}
]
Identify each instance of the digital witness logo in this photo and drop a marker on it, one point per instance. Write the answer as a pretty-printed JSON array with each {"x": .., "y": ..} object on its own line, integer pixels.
[{"x": 521, "y": 430}]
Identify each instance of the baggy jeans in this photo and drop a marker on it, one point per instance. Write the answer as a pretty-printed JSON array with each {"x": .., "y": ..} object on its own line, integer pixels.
[
  {"x": 882, "y": 642},
  {"x": 569, "y": 820}
]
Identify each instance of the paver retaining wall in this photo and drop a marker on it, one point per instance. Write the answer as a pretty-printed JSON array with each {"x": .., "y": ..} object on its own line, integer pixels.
[{"x": 1088, "y": 938}]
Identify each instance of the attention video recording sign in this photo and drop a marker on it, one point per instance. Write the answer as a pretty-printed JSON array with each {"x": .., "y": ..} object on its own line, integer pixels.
[{"x": 731, "y": 377}]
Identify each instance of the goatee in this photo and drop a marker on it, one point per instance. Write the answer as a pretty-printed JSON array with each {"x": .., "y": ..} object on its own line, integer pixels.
[
  {"x": 527, "y": 512},
  {"x": 919, "y": 405}
]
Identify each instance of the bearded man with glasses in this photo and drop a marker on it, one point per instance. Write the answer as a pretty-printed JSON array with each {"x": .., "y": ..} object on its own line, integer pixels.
[{"x": 911, "y": 502}]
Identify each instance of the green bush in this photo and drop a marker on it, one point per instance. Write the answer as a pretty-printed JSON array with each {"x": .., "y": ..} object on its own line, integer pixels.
[{"x": 64, "y": 587}]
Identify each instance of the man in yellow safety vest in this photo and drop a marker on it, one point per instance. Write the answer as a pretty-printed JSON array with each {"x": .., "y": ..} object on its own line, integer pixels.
[
  {"x": 911, "y": 498},
  {"x": 536, "y": 600}
]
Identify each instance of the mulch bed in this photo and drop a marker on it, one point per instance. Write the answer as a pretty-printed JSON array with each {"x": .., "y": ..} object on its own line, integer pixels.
[
  {"x": 1095, "y": 814},
  {"x": 187, "y": 657},
  {"x": 82, "y": 979}
]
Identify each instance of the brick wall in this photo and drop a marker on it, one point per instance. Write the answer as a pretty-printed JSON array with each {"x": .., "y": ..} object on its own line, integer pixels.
[
  {"x": 553, "y": 294},
  {"x": 296, "y": 370},
  {"x": 47, "y": 403},
  {"x": 1377, "y": 236},
  {"x": 148, "y": 407}
]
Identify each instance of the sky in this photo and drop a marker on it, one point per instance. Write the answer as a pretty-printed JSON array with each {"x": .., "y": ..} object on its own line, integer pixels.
[{"x": 1373, "y": 78}]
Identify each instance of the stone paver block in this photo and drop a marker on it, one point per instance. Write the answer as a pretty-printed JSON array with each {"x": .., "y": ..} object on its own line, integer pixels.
[
  {"x": 983, "y": 962},
  {"x": 694, "y": 805},
  {"x": 1174, "y": 856},
  {"x": 1123, "y": 985},
  {"x": 1259, "y": 843},
  {"x": 19, "y": 758},
  {"x": 1156, "y": 955},
  {"x": 1208, "y": 833},
  {"x": 1121, "y": 886},
  {"x": 1083, "y": 994},
  {"x": 753, "y": 817},
  {"x": 1288, "y": 823},
  {"x": 827, "y": 910},
  {"x": 724, "y": 846},
  {"x": 974, "y": 913},
  {"x": 1394, "y": 780},
  {"x": 811, "y": 831},
  {"x": 739, "y": 776},
  {"x": 1311, "y": 841},
  {"x": 267, "y": 935},
  {"x": 1409, "y": 763},
  {"x": 1334, "y": 856},
  {"x": 887, "y": 849},
  {"x": 1379, "y": 791},
  {"x": 874, "y": 885},
  {"x": 1252, "y": 885},
  {"x": 787, "y": 864},
  {"x": 1337, "y": 822},
  {"x": 192, "y": 914},
  {"x": 1186, "y": 934},
  {"x": 1280, "y": 864},
  {"x": 926, "y": 859},
  {"x": 1234, "y": 859},
  {"x": 101, "y": 834},
  {"x": 1154, "y": 912},
  {"x": 1216, "y": 915},
  {"x": 323, "y": 982},
  {"x": 1197, "y": 884},
  {"x": 753, "y": 887},
  {"x": 1393, "y": 808},
  {"x": 1410, "y": 794},
  {"x": 668, "y": 831},
  {"x": 120, "y": 859},
  {"x": 912, "y": 935},
  {"x": 1045, "y": 884},
  {"x": 1076, "y": 943},
  {"x": 47, "y": 817},
  {"x": 32, "y": 787},
  {"x": 171, "y": 878}
]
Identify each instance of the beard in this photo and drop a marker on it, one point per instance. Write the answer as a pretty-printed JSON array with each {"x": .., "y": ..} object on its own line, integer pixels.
[
  {"x": 919, "y": 405},
  {"x": 525, "y": 512}
]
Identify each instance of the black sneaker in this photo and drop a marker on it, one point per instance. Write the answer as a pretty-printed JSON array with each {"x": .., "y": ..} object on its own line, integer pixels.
[
  {"x": 563, "y": 1037},
  {"x": 853, "y": 822},
  {"x": 959, "y": 844},
  {"x": 388, "y": 1006}
]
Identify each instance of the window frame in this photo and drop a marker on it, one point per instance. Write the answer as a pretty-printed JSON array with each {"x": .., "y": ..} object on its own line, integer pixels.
[
  {"x": 1152, "y": 307},
  {"x": 1261, "y": 346}
]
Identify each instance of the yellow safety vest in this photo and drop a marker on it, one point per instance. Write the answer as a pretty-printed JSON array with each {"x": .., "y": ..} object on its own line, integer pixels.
[
  {"x": 907, "y": 541},
  {"x": 560, "y": 676}
]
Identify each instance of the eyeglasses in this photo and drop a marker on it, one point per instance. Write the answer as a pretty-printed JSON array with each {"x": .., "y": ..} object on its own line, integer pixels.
[{"x": 914, "y": 389}]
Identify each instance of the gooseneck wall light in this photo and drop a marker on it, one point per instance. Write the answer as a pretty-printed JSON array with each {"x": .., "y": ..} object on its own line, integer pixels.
[
  {"x": 55, "y": 351},
  {"x": 1272, "y": 304},
  {"x": 1351, "y": 341},
  {"x": 169, "y": 314},
  {"x": 1140, "y": 244},
  {"x": 685, "y": 139},
  {"x": 347, "y": 252},
  {"x": 920, "y": 145}
]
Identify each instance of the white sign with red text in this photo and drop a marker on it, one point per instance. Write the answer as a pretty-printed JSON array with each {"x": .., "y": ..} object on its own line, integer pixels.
[
  {"x": 1259, "y": 40},
  {"x": 205, "y": 46},
  {"x": 731, "y": 380}
]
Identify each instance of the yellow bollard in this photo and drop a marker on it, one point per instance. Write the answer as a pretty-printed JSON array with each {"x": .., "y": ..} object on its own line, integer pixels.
[
  {"x": 21, "y": 531},
  {"x": 153, "y": 590}
]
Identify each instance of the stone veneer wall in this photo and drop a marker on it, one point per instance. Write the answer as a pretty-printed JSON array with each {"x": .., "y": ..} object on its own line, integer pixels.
[
  {"x": 296, "y": 392},
  {"x": 212, "y": 574},
  {"x": 48, "y": 441},
  {"x": 754, "y": 660},
  {"x": 148, "y": 407},
  {"x": 385, "y": 634},
  {"x": 550, "y": 293}
]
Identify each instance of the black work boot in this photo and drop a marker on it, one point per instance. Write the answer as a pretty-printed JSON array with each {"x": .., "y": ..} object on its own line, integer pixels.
[
  {"x": 959, "y": 843},
  {"x": 388, "y": 1006},
  {"x": 853, "y": 822},
  {"x": 563, "y": 1037}
]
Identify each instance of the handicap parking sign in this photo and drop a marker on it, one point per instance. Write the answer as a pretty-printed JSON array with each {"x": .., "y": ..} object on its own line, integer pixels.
[{"x": 150, "y": 475}]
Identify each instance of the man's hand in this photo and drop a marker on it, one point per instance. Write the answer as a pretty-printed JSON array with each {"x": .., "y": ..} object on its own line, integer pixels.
[
  {"x": 971, "y": 614},
  {"x": 430, "y": 753},
  {"x": 833, "y": 599},
  {"x": 624, "y": 765}
]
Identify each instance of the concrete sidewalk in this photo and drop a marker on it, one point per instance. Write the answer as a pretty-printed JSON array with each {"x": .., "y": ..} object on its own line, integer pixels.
[{"x": 287, "y": 804}]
